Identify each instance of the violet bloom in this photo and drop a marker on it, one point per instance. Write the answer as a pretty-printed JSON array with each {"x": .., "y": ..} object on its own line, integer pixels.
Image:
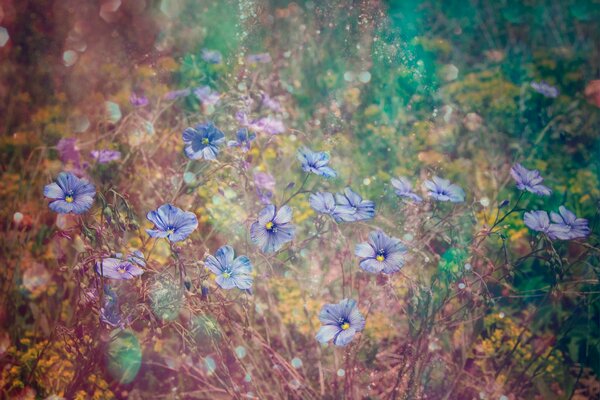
[
  {"x": 110, "y": 313},
  {"x": 529, "y": 180},
  {"x": 273, "y": 228},
  {"x": 244, "y": 139},
  {"x": 340, "y": 322},
  {"x": 105, "y": 156},
  {"x": 265, "y": 184},
  {"x": 442, "y": 190},
  {"x": 212, "y": 56},
  {"x": 68, "y": 151},
  {"x": 138, "y": 100},
  {"x": 545, "y": 89},
  {"x": 176, "y": 94},
  {"x": 323, "y": 202},
  {"x": 404, "y": 189},
  {"x": 172, "y": 223},
  {"x": 351, "y": 207},
  {"x": 231, "y": 272},
  {"x": 69, "y": 194},
  {"x": 116, "y": 268},
  {"x": 540, "y": 222},
  {"x": 315, "y": 162},
  {"x": 203, "y": 141},
  {"x": 269, "y": 125},
  {"x": 381, "y": 253},
  {"x": 206, "y": 95},
  {"x": 262, "y": 58},
  {"x": 570, "y": 226},
  {"x": 271, "y": 103}
]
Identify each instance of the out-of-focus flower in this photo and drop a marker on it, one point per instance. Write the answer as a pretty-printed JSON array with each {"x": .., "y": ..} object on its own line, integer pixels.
[
  {"x": 105, "y": 156},
  {"x": 269, "y": 125},
  {"x": 176, "y": 94},
  {"x": 231, "y": 272},
  {"x": 262, "y": 58},
  {"x": 137, "y": 257},
  {"x": 351, "y": 207},
  {"x": 70, "y": 194},
  {"x": 271, "y": 103},
  {"x": 340, "y": 322},
  {"x": 212, "y": 56},
  {"x": 592, "y": 92},
  {"x": 404, "y": 189},
  {"x": 110, "y": 313},
  {"x": 545, "y": 89},
  {"x": 138, "y": 100},
  {"x": 381, "y": 253},
  {"x": 529, "y": 180},
  {"x": 265, "y": 184},
  {"x": 540, "y": 222},
  {"x": 442, "y": 190},
  {"x": 323, "y": 202},
  {"x": 315, "y": 162},
  {"x": 206, "y": 95},
  {"x": 244, "y": 139},
  {"x": 572, "y": 227},
  {"x": 203, "y": 141},
  {"x": 172, "y": 223},
  {"x": 273, "y": 228},
  {"x": 116, "y": 268},
  {"x": 68, "y": 151}
]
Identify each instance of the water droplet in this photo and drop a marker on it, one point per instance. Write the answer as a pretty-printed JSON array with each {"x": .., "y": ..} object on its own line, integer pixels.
[
  {"x": 461, "y": 286},
  {"x": 189, "y": 177},
  {"x": 70, "y": 58},
  {"x": 240, "y": 351},
  {"x": 468, "y": 266},
  {"x": 210, "y": 365},
  {"x": 341, "y": 372},
  {"x": 3, "y": 36},
  {"x": 364, "y": 76},
  {"x": 484, "y": 201},
  {"x": 296, "y": 362},
  {"x": 248, "y": 377},
  {"x": 18, "y": 217},
  {"x": 366, "y": 181},
  {"x": 349, "y": 76}
]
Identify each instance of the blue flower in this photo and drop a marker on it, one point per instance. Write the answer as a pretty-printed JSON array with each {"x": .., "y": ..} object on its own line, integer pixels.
[
  {"x": 203, "y": 141},
  {"x": 315, "y": 162},
  {"x": 116, "y": 268},
  {"x": 340, "y": 322},
  {"x": 529, "y": 180},
  {"x": 570, "y": 226},
  {"x": 322, "y": 202},
  {"x": 442, "y": 190},
  {"x": 207, "y": 96},
  {"x": 212, "y": 56},
  {"x": 69, "y": 194},
  {"x": 110, "y": 313},
  {"x": 545, "y": 89},
  {"x": 351, "y": 207},
  {"x": 540, "y": 222},
  {"x": 244, "y": 139},
  {"x": 381, "y": 253},
  {"x": 404, "y": 189},
  {"x": 105, "y": 156},
  {"x": 172, "y": 222},
  {"x": 273, "y": 228},
  {"x": 230, "y": 272}
]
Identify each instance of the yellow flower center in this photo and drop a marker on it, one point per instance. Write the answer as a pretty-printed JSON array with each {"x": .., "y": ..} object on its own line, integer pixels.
[
  {"x": 122, "y": 270},
  {"x": 380, "y": 258},
  {"x": 170, "y": 231},
  {"x": 205, "y": 141},
  {"x": 226, "y": 274},
  {"x": 345, "y": 326},
  {"x": 269, "y": 225},
  {"x": 69, "y": 198}
]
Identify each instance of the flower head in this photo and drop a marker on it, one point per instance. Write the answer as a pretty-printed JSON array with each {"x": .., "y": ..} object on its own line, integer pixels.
[
  {"x": 105, "y": 156},
  {"x": 203, "y": 141},
  {"x": 116, "y": 268},
  {"x": 138, "y": 100},
  {"x": 263, "y": 58},
  {"x": 244, "y": 139},
  {"x": 70, "y": 194},
  {"x": 206, "y": 95},
  {"x": 176, "y": 94},
  {"x": 442, "y": 190},
  {"x": 381, "y": 253},
  {"x": 315, "y": 162},
  {"x": 545, "y": 89},
  {"x": 172, "y": 223},
  {"x": 404, "y": 189},
  {"x": 322, "y": 202},
  {"x": 211, "y": 56},
  {"x": 529, "y": 180},
  {"x": 540, "y": 222},
  {"x": 273, "y": 228},
  {"x": 231, "y": 272},
  {"x": 110, "y": 313},
  {"x": 571, "y": 226},
  {"x": 340, "y": 322},
  {"x": 351, "y": 207}
]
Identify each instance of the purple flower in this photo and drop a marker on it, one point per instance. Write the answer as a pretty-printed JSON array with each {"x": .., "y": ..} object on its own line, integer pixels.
[
  {"x": 116, "y": 268},
  {"x": 138, "y": 100},
  {"x": 265, "y": 184},
  {"x": 273, "y": 228},
  {"x": 68, "y": 151},
  {"x": 442, "y": 190},
  {"x": 206, "y": 95},
  {"x": 263, "y": 58},
  {"x": 545, "y": 89},
  {"x": 178, "y": 93},
  {"x": 172, "y": 222},
  {"x": 70, "y": 194},
  {"x": 570, "y": 226},
  {"x": 269, "y": 125},
  {"x": 323, "y": 202},
  {"x": 244, "y": 139},
  {"x": 540, "y": 222},
  {"x": 315, "y": 162},
  {"x": 212, "y": 56},
  {"x": 271, "y": 103},
  {"x": 351, "y": 207},
  {"x": 529, "y": 180},
  {"x": 203, "y": 141},
  {"x": 340, "y": 322},
  {"x": 404, "y": 189},
  {"x": 105, "y": 156},
  {"x": 231, "y": 272},
  {"x": 381, "y": 253}
]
